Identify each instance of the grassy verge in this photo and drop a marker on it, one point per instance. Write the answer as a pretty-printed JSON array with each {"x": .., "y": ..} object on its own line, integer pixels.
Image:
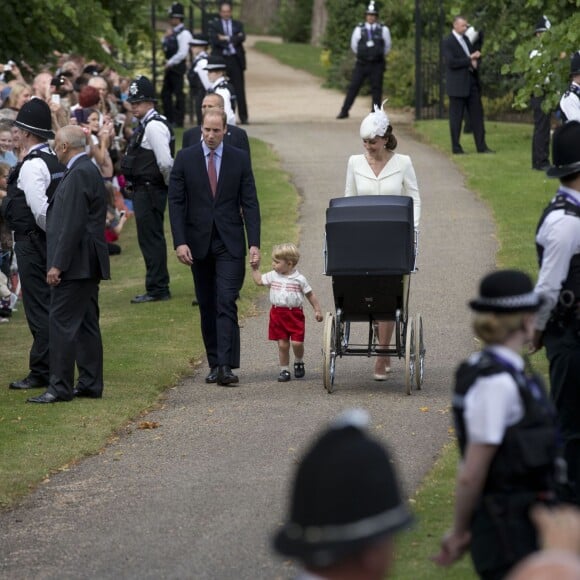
[
  {"x": 148, "y": 348},
  {"x": 300, "y": 56}
]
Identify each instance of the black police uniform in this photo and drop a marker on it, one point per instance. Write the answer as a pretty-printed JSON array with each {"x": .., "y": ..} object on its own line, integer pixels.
[
  {"x": 30, "y": 248},
  {"x": 140, "y": 167},
  {"x": 562, "y": 340},
  {"x": 522, "y": 472},
  {"x": 370, "y": 63}
]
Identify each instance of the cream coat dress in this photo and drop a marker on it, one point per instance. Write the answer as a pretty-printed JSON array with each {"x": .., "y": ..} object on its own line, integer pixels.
[{"x": 396, "y": 178}]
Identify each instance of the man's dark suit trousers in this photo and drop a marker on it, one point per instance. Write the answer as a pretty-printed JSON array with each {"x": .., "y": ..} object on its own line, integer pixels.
[
  {"x": 218, "y": 280},
  {"x": 472, "y": 102},
  {"x": 74, "y": 328}
]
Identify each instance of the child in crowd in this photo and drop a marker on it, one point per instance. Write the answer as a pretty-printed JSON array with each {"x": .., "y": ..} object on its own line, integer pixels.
[
  {"x": 287, "y": 291},
  {"x": 7, "y": 154}
]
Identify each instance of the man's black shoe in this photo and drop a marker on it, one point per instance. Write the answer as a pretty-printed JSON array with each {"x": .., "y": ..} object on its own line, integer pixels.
[
  {"x": 27, "y": 383},
  {"x": 45, "y": 398},
  {"x": 458, "y": 152},
  {"x": 342, "y": 115},
  {"x": 141, "y": 298},
  {"x": 194, "y": 302},
  {"x": 83, "y": 393},
  {"x": 212, "y": 377},
  {"x": 225, "y": 377},
  {"x": 487, "y": 150},
  {"x": 544, "y": 167}
]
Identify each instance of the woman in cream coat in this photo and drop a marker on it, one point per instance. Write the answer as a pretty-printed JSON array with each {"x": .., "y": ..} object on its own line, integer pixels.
[{"x": 381, "y": 171}]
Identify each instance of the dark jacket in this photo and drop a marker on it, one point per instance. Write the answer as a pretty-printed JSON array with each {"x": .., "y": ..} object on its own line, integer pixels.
[
  {"x": 457, "y": 67},
  {"x": 194, "y": 212},
  {"x": 75, "y": 224},
  {"x": 238, "y": 37}
]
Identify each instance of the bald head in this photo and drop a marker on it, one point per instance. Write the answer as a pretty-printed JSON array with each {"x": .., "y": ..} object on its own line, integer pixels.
[{"x": 69, "y": 141}]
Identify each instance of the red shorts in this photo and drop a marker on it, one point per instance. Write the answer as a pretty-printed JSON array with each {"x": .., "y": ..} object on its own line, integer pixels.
[{"x": 286, "y": 323}]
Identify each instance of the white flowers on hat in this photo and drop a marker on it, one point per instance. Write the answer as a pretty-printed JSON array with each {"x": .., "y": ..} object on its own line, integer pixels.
[{"x": 375, "y": 123}]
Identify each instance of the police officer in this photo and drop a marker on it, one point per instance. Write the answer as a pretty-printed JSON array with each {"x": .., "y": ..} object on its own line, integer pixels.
[
  {"x": 506, "y": 431},
  {"x": 558, "y": 324},
  {"x": 147, "y": 165},
  {"x": 371, "y": 42},
  {"x": 346, "y": 505},
  {"x": 219, "y": 83},
  {"x": 176, "y": 48},
  {"x": 31, "y": 186},
  {"x": 570, "y": 101},
  {"x": 198, "y": 80}
]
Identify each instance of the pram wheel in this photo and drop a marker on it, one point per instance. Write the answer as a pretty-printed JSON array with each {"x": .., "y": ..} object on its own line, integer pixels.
[
  {"x": 329, "y": 352},
  {"x": 419, "y": 352},
  {"x": 409, "y": 355}
]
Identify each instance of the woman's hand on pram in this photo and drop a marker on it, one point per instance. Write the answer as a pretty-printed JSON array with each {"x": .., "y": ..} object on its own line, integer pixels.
[{"x": 318, "y": 316}]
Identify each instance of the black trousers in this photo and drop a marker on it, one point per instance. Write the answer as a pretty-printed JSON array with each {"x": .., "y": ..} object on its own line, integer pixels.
[
  {"x": 218, "y": 280},
  {"x": 472, "y": 104},
  {"x": 563, "y": 351},
  {"x": 373, "y": 71},
  {"x": 149, "y": 204},
  {"x": 75, "y": 335},
  {"x": 235, "y": 73},
  {"x": 173, "y": 87},
  {"x": 31, "y": 257},
  {"x": 541, "y": 137}
]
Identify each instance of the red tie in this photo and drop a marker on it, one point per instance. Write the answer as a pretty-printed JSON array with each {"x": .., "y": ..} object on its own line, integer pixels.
[{"x": 211, "y": 172}]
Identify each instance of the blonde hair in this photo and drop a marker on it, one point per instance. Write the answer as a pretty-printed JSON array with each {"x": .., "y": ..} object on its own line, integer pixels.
[
  {"x": 4, "y": 168},
  {"x": 287, "y": 251},
  {"x": 496, "y": 328},
  {"x": 17, "y": 88}
]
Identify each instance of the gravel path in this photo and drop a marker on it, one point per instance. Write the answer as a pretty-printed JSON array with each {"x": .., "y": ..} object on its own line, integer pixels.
[{"x": 198, "y": 497}]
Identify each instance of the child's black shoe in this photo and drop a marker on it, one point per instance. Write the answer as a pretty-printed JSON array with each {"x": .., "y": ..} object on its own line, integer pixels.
[
  {"x": 299, "y": 371},
  {"x": 284, "y": 376}
]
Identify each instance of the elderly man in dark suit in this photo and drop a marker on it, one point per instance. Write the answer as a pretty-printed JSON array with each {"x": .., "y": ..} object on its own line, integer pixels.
[
  {"x": 463, "y": 86},
  {"x": 227, "y": 37},
  {"x": 212, "y": 199},
  {"x": 234, "y": 136},
  {"x": 77, "y": 260}
]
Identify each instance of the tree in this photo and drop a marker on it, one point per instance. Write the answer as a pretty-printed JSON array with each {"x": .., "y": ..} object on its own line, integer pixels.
[
  {"x": 319, "y": 20},
  {"x": 260, "y": 15},
  {"x": 35, "y": 29}
]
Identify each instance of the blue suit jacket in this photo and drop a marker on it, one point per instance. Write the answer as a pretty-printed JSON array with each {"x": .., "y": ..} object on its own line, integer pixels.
[{"x": 194, "y": 211}]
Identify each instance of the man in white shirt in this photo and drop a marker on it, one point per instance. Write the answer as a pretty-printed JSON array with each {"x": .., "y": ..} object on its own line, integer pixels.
[
  {"x": 558, "y": 321},
  {"x": 570, "y": 101},
  {"x": 370, "y": 42},
  {"x": 176, "y": 48},
  {"x": 30, "y": 188},
  {"x": 147, "y": 165},
  {"x": 216, "y": 70}
]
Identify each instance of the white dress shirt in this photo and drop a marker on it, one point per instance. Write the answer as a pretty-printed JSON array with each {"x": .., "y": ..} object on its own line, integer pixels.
[
  {"x": 570, "y": 105},
  {"x": 356, "y": 34},
  {"x": 34, "y": 179},
  {"x": 183, "y": 39},
  {"x": 559, "y": 235},
  {"x": 157, "y": 138},
  {"x": 493, "y": 403}
]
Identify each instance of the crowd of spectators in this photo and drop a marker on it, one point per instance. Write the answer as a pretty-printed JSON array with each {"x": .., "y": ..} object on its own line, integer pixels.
[{"x": 78, "y": 93}]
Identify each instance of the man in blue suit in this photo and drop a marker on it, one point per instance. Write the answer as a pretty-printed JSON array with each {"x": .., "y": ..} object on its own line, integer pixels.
[{"x": 212, "y": 200}]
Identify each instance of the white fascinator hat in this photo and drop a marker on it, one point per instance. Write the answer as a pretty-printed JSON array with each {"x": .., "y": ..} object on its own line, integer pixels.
[{"x": 375, "y": 123}]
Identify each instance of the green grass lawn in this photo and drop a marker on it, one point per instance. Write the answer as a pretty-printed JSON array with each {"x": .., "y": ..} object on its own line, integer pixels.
[
  {"x": 300, "y": 56},
  {"x": 148, "y": 348}
]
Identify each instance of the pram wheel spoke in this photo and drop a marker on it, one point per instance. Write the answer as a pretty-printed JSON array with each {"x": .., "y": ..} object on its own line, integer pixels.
[
  {"x": 329, "y": 352},
  {"x": 409, "y": 355},
  {"x": 419, "y": 352}
]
